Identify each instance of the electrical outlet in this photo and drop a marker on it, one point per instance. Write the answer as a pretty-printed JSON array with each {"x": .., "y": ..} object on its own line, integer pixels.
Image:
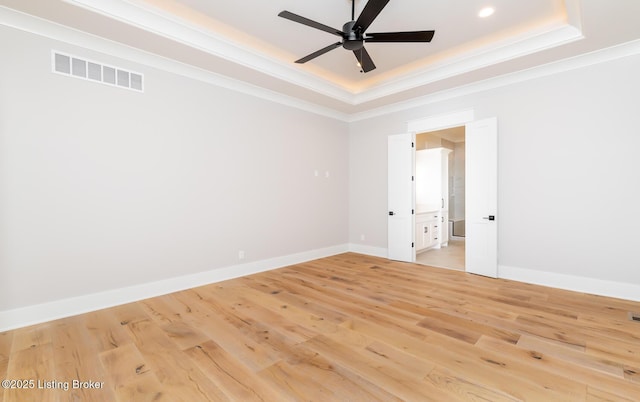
[
  {"x": 241, "y": 255},
  {"x": 361, "y": 237}
]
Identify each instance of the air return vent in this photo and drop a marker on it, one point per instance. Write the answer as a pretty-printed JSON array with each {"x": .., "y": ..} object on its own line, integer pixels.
[
  {"x": 74, "y": 66},
  {"x": 634, "y": 316}
]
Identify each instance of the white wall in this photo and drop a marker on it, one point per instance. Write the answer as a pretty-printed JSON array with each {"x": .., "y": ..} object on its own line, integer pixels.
[
  {"x": 567, "y": 199},
  {"x": 103, "y": 188}
]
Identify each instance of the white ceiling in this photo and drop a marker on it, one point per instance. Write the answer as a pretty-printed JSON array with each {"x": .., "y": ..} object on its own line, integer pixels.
[{"x": 247, "y": 41}]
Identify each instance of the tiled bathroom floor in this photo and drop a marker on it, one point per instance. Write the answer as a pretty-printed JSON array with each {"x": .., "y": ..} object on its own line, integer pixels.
[{"x": 451, "y": 257}]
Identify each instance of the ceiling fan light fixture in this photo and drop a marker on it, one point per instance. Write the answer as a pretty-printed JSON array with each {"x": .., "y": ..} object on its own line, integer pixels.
[
  {"x": 353, "y": 34},
  {"x": 486, "y": 12}
]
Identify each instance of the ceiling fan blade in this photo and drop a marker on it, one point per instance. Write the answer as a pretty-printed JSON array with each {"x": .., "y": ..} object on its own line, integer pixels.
[
  {"x": 319, "y": 52},
  {"x": 306, "y": 21},
  {"x": 370, "y": 12},
  {"x": 366, "y": 63},
  {"x": 411, "y": 36}
]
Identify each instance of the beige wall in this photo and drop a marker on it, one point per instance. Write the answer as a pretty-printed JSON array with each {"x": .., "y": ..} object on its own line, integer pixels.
[
  {"x": 565, "y": 205},
  {"x": 104, "y": 188}
]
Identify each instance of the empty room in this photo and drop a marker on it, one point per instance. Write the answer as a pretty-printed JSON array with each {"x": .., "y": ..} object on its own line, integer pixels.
[{"x": 338, "y": 200}]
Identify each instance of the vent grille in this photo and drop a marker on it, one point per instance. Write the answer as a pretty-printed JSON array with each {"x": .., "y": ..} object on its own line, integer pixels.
[
  {"x": 78, "y": 67},
  {"x": 634, "y": 316}
]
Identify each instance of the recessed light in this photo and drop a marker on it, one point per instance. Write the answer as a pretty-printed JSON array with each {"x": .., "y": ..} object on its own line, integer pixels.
[{"x": 485, "y": 12}]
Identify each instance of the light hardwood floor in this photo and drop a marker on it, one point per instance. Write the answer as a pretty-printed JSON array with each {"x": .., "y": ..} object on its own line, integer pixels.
[{"x": 343, "y": 328}]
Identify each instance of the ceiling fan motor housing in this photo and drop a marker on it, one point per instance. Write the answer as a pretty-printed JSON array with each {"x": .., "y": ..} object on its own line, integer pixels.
[
  {"x": 352, "y": 38},
  {"x": 353, "y": 33}
]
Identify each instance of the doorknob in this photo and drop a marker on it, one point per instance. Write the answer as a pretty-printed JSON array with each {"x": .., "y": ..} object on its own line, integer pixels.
[
  {"x": 490, "y": 217},
  {"x": 391, "y": 213}
]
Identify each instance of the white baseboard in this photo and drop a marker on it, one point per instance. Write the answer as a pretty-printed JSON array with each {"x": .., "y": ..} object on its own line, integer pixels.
[
  {"x": 620, "y": 290},
  {"x": 35, "y": 314},
  {"x": 30, "y": 315},
  {"x": 369, "y": 250}
]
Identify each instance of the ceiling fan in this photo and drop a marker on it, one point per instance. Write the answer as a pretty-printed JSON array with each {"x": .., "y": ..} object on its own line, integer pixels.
[{"x": 353, "y": 33}]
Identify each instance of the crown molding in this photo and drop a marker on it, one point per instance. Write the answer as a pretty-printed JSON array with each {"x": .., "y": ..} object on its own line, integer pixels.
[
  {"x": 35, "y": 25},
  {"x": 622, "y": 50},
  {"x": 51, "y": 30},
  {"x": 476, "y": 60},
  {"x": 168, "y": 26}
]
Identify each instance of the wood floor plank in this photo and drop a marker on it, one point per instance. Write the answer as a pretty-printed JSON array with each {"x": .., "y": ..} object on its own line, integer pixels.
[
  {"x": 407, "y": 363},
  {"x": 131, "y": 376},
  {"x": 76, "y": 357},
  {"x": 166, "y": 312},
  {"x": 476, "y": 365},
  {"x": 105, "y": 330},
  {"x": 344, "y": 383},
  {"x": 453, "y": 384},
  {"x": 565, "y": 363},
  {"x": 570, "y": 355},
  {"x": 230, "y": 376},
  {"x": 219, "y": 327},
  {"x": 289, "y": 295},
  {"x": 355, "y": 308},
  {"x": 343, "y": 328},
  {"x": 395, "y": 382},
  {"x": 462, "y": 329},
  {"x": 30, "y": 337},
  {"x": 312, "y": 322},
  {"x": 144, "y": 389},
  {"x": 6, "y": 339},
  {"x": 292, "y": 381},
  {"x": 249, "y": 320},
  {"x": 180, "y": 377},
  {"x": 597, "y": 395},
  {"x": 32, "y": 364}
]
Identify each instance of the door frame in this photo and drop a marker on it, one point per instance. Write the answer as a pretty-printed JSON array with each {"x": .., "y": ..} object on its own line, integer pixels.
[{"x": 440, "y": 122}]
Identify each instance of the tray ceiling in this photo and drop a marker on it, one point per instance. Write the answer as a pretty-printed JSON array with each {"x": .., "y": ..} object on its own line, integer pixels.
[{"x": 248, "y": 42}]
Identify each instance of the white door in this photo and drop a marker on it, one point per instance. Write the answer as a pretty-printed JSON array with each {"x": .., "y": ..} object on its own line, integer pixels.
[
  {"x": 481, "y": 197},
  {"x": 401, "y": 198}
]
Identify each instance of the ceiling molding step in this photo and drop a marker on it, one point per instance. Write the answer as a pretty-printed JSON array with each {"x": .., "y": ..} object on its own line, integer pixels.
[
  {"x": 41, "y": 27},
  {"x": 612, "y": 53},
  {"x": 574, "y": 14},
  {"x": 35, "y": 25},
  {"x": 467, "y": 63},
  {"x": 167, "y": 26}
]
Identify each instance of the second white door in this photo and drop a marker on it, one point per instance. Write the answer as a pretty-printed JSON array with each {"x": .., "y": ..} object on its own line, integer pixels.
[{"x": 481, "y": 197}]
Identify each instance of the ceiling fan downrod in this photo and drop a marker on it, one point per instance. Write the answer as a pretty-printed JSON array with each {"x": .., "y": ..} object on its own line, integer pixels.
[{"x": 353, "y": 34}]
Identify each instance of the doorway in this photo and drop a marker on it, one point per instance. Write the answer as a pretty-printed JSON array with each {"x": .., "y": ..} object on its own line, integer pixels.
[
  {"x": 440, "y": 198},
  {"x": 481, "y": 191}
]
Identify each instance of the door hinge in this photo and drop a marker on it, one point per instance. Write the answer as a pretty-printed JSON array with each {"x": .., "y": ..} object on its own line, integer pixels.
[
  {"x": 412, "y": 178},
  {"x": 412, "y": 145},
  {"x": 412, "y": 212},
  {"x": 411, "y": 245}
]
